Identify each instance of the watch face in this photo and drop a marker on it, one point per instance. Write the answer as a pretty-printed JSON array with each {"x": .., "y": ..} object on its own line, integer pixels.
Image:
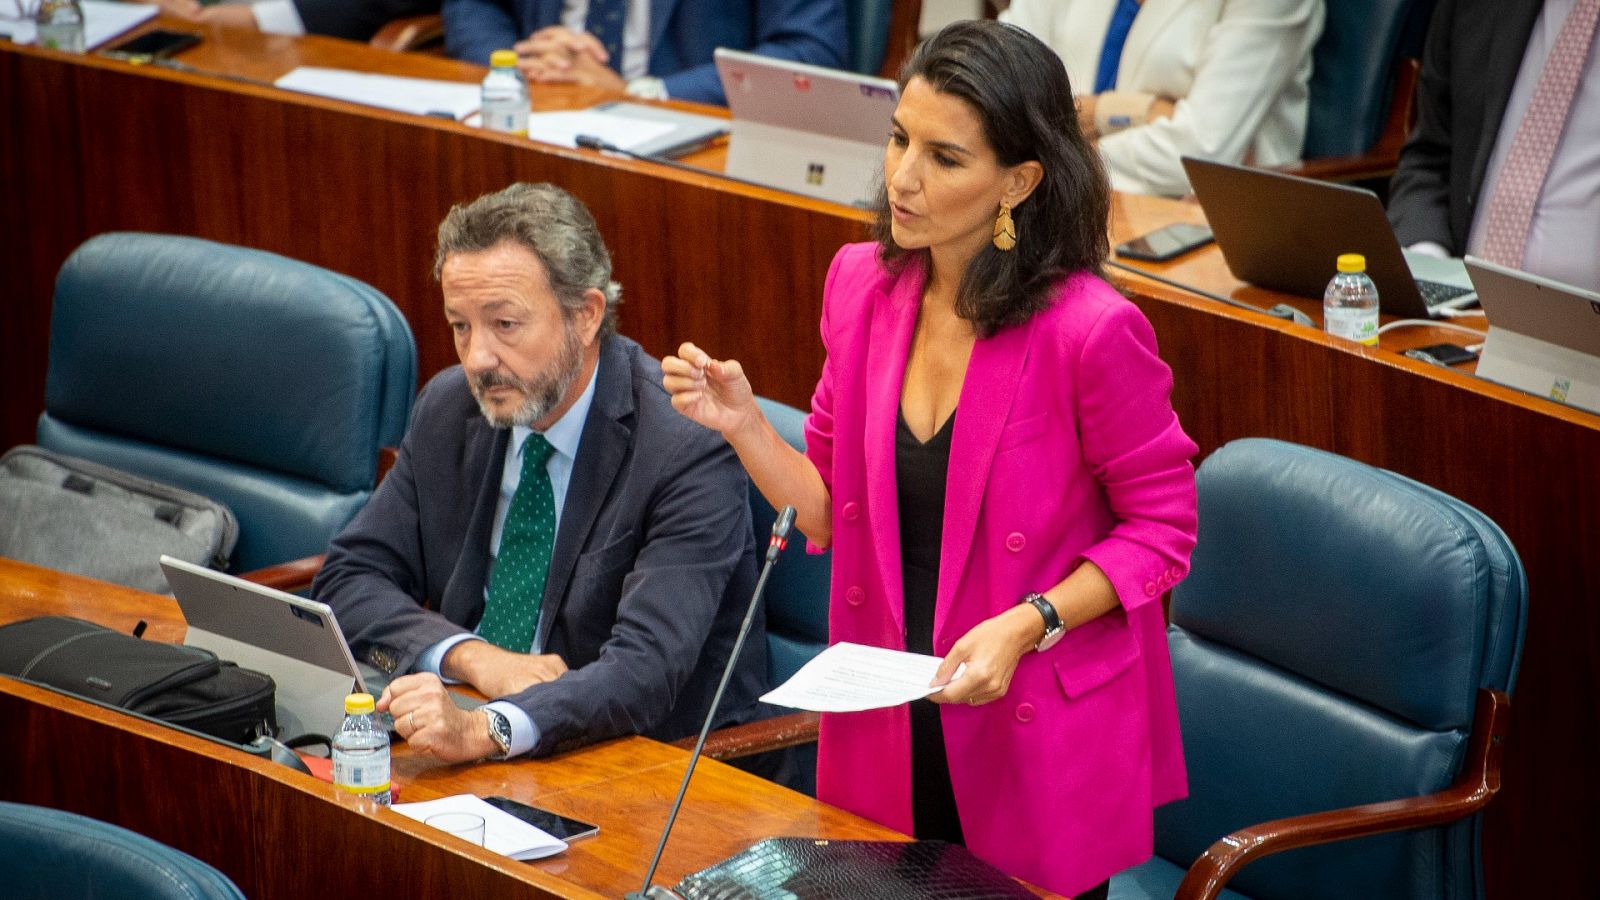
[
  {"x": 500, "y": 730},
  {"x": 1050, "y": 639}
]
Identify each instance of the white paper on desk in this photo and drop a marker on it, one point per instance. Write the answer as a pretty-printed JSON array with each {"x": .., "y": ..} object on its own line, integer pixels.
[
  {"x": 102, "y": 21},
  {"x": 563, "y": 128},
  {"x": 850, "y": 677},
  {"x": 502, "y": 832},
  {"x": 418, "y": 96}
]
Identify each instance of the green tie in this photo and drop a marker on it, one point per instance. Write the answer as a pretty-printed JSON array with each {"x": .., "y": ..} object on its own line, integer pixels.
[{"x": 516, "y": 586}]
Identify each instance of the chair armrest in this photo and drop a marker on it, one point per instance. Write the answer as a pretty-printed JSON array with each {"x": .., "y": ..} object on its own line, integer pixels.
[
  {"x": 294, "y": 575},
  {"x": 409, "y": 33},
  {"x": 1478, "y": 782},
  {"x": 759, "y": 736}
]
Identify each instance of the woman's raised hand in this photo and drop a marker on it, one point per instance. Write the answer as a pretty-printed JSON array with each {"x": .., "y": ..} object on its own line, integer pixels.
[{"x": 713, "y": 392}]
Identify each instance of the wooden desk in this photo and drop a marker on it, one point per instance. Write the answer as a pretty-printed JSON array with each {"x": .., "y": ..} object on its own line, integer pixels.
[
  {"x": 740, "y": 270},
  {"x": 279, "y": 833}
]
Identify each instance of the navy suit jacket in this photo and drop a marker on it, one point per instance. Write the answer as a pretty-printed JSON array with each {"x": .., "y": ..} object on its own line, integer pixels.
[
  {"x": 653, "y": 566},
  {"x": 357, "y": 20},
  {"x": 1469, "y": 64},
  {"x": 683, "y": 34}
]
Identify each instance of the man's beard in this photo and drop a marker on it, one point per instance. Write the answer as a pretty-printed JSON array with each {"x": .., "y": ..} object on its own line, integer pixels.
[{"x": 540, "y": 394}]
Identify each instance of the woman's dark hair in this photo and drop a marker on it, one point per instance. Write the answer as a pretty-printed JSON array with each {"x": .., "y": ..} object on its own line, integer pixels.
[{"x": 1018, "y": 87}]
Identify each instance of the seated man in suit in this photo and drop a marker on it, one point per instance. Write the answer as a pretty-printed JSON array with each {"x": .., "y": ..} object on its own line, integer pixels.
[
  {"x": 1502, "y": 163},
  {"x": 553, "y": 533},
  {"x": 651, "y": 48},
  {"x": 354, "y": 20}
]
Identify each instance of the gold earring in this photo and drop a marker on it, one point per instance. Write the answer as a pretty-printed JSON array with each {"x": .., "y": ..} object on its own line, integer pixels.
[{"x": 1005, "y": 230}]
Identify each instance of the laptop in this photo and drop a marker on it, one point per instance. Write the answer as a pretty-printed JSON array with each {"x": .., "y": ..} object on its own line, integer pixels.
[
  {"x": 294, "y": 640},
  {"x": 1544, "y": 336},
  {"x": 806, "y": 129},
  {"x": 1284, "y": 233}
]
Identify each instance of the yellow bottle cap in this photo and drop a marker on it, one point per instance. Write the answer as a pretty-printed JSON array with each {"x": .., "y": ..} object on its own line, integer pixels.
[
  {"x": 1352, "y": 262},
  {"x": 503, "y": 58},
  {"x": 358, "y": 704}
]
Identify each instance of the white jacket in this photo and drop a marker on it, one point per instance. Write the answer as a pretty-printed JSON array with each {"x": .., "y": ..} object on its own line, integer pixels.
[{"x": 1237, "y": 69}]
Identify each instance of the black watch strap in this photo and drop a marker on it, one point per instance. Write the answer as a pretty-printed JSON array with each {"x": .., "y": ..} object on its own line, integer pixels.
[{"x": 1053, "y": 626}]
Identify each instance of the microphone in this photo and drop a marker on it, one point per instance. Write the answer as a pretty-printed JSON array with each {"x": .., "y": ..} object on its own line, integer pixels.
[{"x": 775, "y": 545}]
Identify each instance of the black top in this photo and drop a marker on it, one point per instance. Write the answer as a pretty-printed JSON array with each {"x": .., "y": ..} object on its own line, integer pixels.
[{"x": 920, "y": 472}]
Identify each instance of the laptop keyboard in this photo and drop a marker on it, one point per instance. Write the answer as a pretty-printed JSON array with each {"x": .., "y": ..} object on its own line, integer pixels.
[{"x": 1435, "y": 293}]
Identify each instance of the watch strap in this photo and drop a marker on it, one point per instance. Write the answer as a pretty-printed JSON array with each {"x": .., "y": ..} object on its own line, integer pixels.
[{"x": 1053, "y": 626}]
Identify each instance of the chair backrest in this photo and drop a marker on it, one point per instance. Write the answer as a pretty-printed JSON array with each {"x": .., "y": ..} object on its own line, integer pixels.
[
  {"x": 50, "y": 853},
  {"x": 1353, "y": 71},
  {"x": 267, "y": 384},
  {"x": 797, "y": 590},
  {"x": 867, "y": 22},
  {"x": 1327, "y": 650}
]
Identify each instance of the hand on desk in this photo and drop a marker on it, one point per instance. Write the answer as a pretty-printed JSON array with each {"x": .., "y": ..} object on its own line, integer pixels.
[
  {"x": 498, "y": 672},
  {"x": 431, "y": 722},
  {"x": 559, "y": 55}
]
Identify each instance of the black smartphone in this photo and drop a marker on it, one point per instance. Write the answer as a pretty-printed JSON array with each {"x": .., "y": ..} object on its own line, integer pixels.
[
  {"x": 543, "y": 819},
  {"x": 156, "y": 44},
  {"x": 1443, "y": 354},
  {"x": 1166, "y": 243}
]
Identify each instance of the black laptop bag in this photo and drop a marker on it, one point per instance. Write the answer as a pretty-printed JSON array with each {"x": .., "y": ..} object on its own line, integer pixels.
[{"x": 185, "y": 686}]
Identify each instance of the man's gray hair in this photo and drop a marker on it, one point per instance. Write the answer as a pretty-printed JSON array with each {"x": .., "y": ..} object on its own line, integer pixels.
[{"x": 547, "y": 221}]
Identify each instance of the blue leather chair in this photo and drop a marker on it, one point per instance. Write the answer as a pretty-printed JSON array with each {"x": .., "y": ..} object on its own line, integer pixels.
[
  {"x": 266, "y": 384},
  {"x": 882, "y": 33},
  {"x": 1363, "y": 79},
  {"x": 797, "y": 630},
  {"x": 797, "y": 590},
  {"x": 55, "y": 855},
  {"x": 1343, "y": 650}
]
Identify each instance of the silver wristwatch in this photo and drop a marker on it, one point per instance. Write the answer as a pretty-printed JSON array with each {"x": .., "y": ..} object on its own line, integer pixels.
[{"x": 500, "y": 732}]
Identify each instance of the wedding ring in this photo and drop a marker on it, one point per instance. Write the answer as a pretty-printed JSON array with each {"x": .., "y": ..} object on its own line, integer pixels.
[{"x": 411, "y": 721}]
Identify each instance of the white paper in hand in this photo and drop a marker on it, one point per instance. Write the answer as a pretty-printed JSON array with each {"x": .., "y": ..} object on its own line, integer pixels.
[
  {"x": 851, "y": 677},
  {"x": 502, "y": 832}
]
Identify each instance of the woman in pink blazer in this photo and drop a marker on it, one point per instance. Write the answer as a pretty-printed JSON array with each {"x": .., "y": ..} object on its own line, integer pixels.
[{"x": 993, "y": 455}]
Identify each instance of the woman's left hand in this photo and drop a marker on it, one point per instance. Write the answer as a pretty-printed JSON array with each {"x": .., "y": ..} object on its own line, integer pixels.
[{"x": 990, "y": 651}]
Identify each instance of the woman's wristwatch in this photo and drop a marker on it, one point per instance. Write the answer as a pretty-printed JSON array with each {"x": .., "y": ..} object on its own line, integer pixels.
[{"x": 1053, "y": 627}]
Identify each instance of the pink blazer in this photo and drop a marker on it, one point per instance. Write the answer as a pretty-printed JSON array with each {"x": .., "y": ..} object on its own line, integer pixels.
[{"x": 1065, "y": 449}]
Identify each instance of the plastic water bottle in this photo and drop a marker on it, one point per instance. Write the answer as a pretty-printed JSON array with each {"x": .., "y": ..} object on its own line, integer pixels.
[
  {"x": 505, "y": 95},
  {"x": 60, "y": 24},
  {"x": 361, "y": 752},
  {"x": 1350, "y": 304}
]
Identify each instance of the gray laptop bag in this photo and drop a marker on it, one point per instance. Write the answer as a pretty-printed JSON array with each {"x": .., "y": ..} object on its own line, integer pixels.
[{"x": 82, "y": 517}]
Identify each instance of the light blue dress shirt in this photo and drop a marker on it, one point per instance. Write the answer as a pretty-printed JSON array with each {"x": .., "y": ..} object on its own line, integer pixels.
[{"x": 564, "y": 437}]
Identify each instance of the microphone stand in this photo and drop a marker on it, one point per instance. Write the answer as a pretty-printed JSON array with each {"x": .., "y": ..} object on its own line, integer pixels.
[{"x": 780, "y": 539}]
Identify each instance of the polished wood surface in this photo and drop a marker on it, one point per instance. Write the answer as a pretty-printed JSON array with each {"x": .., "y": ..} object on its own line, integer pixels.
[
  {"x": 739, "y": 269},
  {"x": 279, "y": 833}
]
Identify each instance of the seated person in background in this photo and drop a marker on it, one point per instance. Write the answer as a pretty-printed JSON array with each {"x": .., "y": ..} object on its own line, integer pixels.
[
  {"x": 354, "y": 20},
  {"x": 1504, "y": 162},
  {"x": 1217, "y": 79},
  {"x": 553, "y": 533},
  {"x": 660, "y": 48}
]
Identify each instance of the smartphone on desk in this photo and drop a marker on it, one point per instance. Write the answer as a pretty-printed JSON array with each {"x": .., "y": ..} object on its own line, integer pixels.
[
  {"x": 158, "y": 44},
  {"x": 1166, "y": 243},
  {"x": 543, "y": 819}
]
